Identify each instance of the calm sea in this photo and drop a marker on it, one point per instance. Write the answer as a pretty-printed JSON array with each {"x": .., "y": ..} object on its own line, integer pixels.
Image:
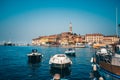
[{"x": 14, "y": 64}]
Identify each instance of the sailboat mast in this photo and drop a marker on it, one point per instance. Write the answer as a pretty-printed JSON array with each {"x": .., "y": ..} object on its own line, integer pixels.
[{"x": 116, "y": 24}]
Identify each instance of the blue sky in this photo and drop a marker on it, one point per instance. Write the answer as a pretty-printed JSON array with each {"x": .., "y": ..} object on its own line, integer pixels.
[{"x": 23, "y": 20}]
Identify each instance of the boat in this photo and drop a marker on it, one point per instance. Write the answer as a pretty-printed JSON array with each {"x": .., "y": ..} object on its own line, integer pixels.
[
  {"x": 60, "y": 61},
  {"x": 70, "y": 51},
  {"x": 80, "y": 45},
  {"x": 89, "y": 44},
  {"x": 98, "y": 45},
  {"x": 9, "y": 43},
  {"x": 108, "y": 60},
  {"x": 35, "y": 56}
]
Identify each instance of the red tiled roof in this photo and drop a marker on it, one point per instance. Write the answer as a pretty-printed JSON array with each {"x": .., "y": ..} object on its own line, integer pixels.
[{"x": 95, "y": 34}]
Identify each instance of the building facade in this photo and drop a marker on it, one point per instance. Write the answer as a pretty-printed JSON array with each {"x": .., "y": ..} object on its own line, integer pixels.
[
  {"x": 110, "y": 39},
  {"x": 94, "y": 38}
]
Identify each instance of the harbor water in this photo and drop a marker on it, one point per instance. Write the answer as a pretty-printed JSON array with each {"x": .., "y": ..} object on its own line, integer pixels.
[{"x": 14, "y": 64}]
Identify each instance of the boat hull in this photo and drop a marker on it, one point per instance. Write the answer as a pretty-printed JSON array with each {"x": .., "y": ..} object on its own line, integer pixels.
[
  {"x": 111, "y": 68},
  {"x": 34, "y": 58},
  {"x": 108, "y": 67},
  {"x": 60, "y": 66},
  {"x": 70, "y": 54}
]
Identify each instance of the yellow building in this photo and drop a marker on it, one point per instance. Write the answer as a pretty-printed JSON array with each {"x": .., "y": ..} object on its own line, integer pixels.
[
  {"x": 110, "y": 39},
  {"x": 40, "y": 40},
  {"x": 98, "y": 38},
  {"x": 35, "y": 41},
  {"x": 43, "y": 40}
]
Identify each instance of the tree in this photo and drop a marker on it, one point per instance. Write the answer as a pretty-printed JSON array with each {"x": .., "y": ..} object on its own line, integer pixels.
[{"x": 74, "y": 34}]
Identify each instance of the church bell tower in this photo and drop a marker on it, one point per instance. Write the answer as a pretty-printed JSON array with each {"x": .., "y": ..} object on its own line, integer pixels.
[{"x": 70, "y": 27}]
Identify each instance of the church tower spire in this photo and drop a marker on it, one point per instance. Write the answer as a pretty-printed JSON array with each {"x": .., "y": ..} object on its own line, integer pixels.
[{"x": 70, "y": 27}]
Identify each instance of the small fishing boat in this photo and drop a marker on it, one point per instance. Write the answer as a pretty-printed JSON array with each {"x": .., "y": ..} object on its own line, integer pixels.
[
  {"x": 34, "y": 56},
  {"x": 60, "y": 61},
  {"x": 70, "y": 51},
  {"x": 109, "y": 60}
]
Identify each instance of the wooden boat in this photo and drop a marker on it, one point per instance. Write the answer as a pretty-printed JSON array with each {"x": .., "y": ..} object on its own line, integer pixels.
[{"x": 109, "y": 61}]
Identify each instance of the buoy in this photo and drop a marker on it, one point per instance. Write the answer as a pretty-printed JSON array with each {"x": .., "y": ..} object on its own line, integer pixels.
[
  {"x": 91, "y": 60},
  {"x": 94, "y": 67},
  {"x": 56, "y": 77},
  {"x": 101, "y": 78}
]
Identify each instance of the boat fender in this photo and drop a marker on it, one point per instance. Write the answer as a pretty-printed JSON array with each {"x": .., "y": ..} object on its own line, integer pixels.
[
  {"x": 94, "y": 67},
  {"x": 56, "y": 77},
  {"x": 91, "y": 60},
  {"x": 101, "y": 78}
]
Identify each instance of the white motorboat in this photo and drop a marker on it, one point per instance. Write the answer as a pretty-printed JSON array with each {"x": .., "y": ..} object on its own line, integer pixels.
[
  {"x": 70, "y": 51},
  {"x": 60, "y": 61}
]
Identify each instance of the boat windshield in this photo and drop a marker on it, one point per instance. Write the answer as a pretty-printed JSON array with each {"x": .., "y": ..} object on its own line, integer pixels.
[
  {"x": 34, "y": 50},
  {"x": 61, "y": 56},
  {"x": 69, "y": 49}
]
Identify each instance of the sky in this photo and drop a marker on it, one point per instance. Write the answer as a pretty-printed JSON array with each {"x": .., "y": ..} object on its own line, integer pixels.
[{"x": 23, "y": 20}]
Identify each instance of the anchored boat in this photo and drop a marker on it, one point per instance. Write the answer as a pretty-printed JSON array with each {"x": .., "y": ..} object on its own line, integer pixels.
[
  {"x": 60, "y": 61},
  {"x": 109, "y": 61},
  {"x": 34, "y": 56},
  {"x": 70, "y": 51}
]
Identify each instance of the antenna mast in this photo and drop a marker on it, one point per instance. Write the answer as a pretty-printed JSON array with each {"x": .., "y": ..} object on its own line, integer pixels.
[{"x": 116, "y": 24}]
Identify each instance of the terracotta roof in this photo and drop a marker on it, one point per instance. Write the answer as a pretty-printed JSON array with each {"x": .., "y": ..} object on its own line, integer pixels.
[
  {"x": 95, "y": 34},
  {"x": 107, "y": 39},
  {"x": 111, "y": 36}
]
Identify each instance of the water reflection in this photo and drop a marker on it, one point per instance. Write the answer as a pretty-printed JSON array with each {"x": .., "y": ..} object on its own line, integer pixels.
[
  {"x": 95, "y": 75},
  {"x": 34, "y": 66},
  {"x": 34, "y": 61},
  {"x": 62, "y": 72},
  {"x": 33, "y": 72}
]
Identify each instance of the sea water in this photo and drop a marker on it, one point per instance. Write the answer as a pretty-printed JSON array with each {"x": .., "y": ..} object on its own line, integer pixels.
[{"x": 14, "y": 64}]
